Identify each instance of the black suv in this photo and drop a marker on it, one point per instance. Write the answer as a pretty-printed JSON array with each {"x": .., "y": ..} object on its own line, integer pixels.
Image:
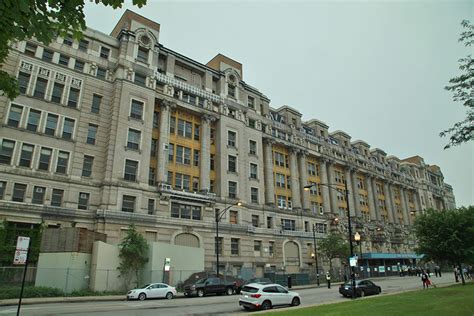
[{"x": 209, "y": 286}]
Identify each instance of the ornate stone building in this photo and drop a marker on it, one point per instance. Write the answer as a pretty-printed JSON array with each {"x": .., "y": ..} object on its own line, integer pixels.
[{"x": 118, "y": 128}]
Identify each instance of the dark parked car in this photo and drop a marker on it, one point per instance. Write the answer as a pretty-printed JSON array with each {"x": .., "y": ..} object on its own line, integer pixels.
[
  {"x": 209, "y": 286},
  {"x": 254, "y": 280},
  {"x": 363, "y": 288}
]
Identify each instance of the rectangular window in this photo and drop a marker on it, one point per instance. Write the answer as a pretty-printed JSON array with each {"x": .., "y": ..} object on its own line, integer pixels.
[
  {"x": 196, "y": 158},
  {"x": 101, "y": 72},
  {"x": 232, "y": 163},
  {"x": 96, "y": 101},
  {"x": 38, "y": 195},
  {"x": 23, "y": 81},
  {"x": 280, "y": 180},
  {"x": 172, "y": 125},
  {"x": 142, "y": 54},
  {"x": 154, "y": 145},
  {"x": 67, "y": 40},
  {"x": 281, "y": 201},
  {"x": 232, "y": 189},
  {"x": 45, "y": 159},
  {"x": 128, "y": 203},
  {"x": 254, "y": 195},
  {"x": 269, "y": 222},
  {"x": 63, "y": 60},
  {"x": 83, "y": 45},
  {"x": 253, "y": 171},
  {"x": 3, "y": 185},
  {"x": 83, "y": 201},
  {"x": 57, "y": 92},
  {"x": 288, "y": 224},
  {"x": 26, "y": 155},
  {"x": 212, "y": 161},
  {"x": 251, "y": 102},
  {"x": 185, "y": 128},
  {"x": 170, "y": 152},
  {"x": 14, "y": 116},
  {"x": 151, "y": 206},
  {"x": 183, "y": 155},
  {"x": 63, "y": 161},
  {"x": 252, "y": 147},
  {"x": 233, "y": 217},
  {"x": 195, "y": 184},
  {"x": 252, "y": 123},
  {"x": 19, "y": 191},
  {"x": 47, "y": 55},
  {"x": 6, "y": 151},
  {"x": 271, "y": 248},
  {"x": 133, "y": 141},
  {"x": 185, "y": 211},
  {"x": 87, "y": 166},
  {"x": 40, "y": 88},
  {"x": 196, "y": 132},
  {"x": 57, "y": 197},
  {"x": 33, "y": 120},
  {"x": 156, "y": 119},
  {"x": 151, "y": 176},
  {"x": 257, "y": 247},
  {"x": 234, "y": 246},
  {"x": 91, "y": 134},
  {"x": 182, "y": 181},
  {"x": 73, "y": 97},
  {"x": 131, "y": 168},
  {"x": 104, "y": 52},
  {"x": 311, "y": 169},
  {"x": 51, "y": 124},
  {"x": 231, "y": 138},
  {"x": 140, "y": 79},
  {"x": 231, "y": 90},
  {"x": 68, "y": 128},
  {"x": 136, "y": 110},
  {"x": 279, "y": 159},
  {"x": 79, "y": 65},
  {"x": 255, "y": 220},
  {"x": 30, "y": 49}
]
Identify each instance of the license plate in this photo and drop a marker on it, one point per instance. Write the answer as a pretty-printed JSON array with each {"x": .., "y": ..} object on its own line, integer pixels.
[
  {"x": 246, "y": 296},
  {"x": 346, "y": 288}
]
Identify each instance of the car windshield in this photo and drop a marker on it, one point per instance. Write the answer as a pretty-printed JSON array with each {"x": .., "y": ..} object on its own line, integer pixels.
[
  {"x": 146, "y": 285},
  {"x": 201, "y": 280},
  {"x": 249, "y": 289}
]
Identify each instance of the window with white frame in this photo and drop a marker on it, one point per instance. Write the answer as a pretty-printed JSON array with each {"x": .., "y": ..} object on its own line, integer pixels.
[
  {"x": 133, "y": 141},
  {"x": 185, "y": 128},
  {"x": 253, "y": 171},
  {"x": 83, "y": 201},
  {"x": 252, "y": 147},
  {"x": 280, "y": 180},
  {"x": 58, "y": 90},
  {"x": 234, "y": 246},
  {"x": 136, "y": 109},
  {"x": 57, "y": 197},
  {"x": 40, "y": 88},
  {"x": 38, "y": 195},
  {"x": 279, "y": 159},
  {"x": 23, "y": 81},
  {"x": 232, "y": 188},
  {"x": 288, "y": 224},
  {"x": 26, "y": 155},
  {"x": 130, "y": 171},
  {"x": 87, "y": 166},
  {"x": 19, "y": 191},
  {"x": 91, "y": 134},
  {"x": 6, "y": 151},
  {"x": 45, "y": 158},
  {"x": 128, "y": 203},
  {"x": 281, "y": 201},
  {"x": 231, "y": 138},
  {"x": 232, "y": 163},
  {"x": 63, "y": 162},
  {"x": 14, "y": 117},
  {"x": 311, "y": 169},
  {"x": 73, "y": 98},
  {"x": 51, "y": 124},
  {"x": 68, "y": 128},
  {"x": 254, "y": 195}
]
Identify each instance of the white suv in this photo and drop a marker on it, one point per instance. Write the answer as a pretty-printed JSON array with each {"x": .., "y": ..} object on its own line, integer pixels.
[{"x": 265, "y": 296}]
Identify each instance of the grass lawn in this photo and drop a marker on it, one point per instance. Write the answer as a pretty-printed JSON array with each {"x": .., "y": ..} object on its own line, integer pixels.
[{"x": 452, "y": 300}]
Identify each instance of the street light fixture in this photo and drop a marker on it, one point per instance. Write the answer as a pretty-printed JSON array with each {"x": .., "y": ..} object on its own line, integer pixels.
[
  {"x": 315, "y": 254},
  {"x": 358, "y": 240},
  {"x": 336, "y": 187},
  {"x": 218, "y": 217}
]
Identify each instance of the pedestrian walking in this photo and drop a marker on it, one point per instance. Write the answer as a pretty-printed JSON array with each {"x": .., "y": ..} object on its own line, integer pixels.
[
  {"x": 328, "y": 279},
  {"x": 436, "y": 270},
  {"x": 456, "y": 274},
  {"x": 425, "y": 279}
]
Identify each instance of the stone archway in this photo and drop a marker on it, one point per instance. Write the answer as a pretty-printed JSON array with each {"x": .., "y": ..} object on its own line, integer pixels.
[
  {"x": 186, "y": 239},
  {"x": 292, "y": 256}
]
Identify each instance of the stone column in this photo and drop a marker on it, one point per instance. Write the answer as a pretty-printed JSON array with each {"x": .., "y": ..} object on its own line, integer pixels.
[
  {"x": 370, "y": 197},
  {"x": 356, "y": 193},
  {"x": 205, "y": 164},
  {"x": 406, "y": 207},
  {"x": 163, "y": 141},
  {"x": 295, "y": 185},
  {"x": 374, "y": 198},
  {"x": 303, "y": 180},
  {"x": 352, "y": 192},
  {"x": 388, "y": 201},
  {"x": 268, "y": 172},
  {"x": 325, "y": 189},
  {"x": 333, "y": 191}
]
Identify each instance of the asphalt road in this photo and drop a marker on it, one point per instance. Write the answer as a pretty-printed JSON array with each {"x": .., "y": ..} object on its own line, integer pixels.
[{"x": 211, "y": 305}]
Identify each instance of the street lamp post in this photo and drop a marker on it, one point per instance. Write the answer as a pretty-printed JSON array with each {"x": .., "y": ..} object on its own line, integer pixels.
[
  {"x": 315, "y": 254},
  {"x": 358, "y": 240},
  {"x": 218, "y": 217},
  {"x": 307, "y": 187}
]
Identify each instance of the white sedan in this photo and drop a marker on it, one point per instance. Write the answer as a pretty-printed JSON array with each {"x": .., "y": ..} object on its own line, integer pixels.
[
  {"x": 152, "y": 290},
  {"x": 265, "y": 296}
]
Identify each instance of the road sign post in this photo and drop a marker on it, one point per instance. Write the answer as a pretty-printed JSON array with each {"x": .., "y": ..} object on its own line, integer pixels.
[{"x": 22, "y": 252}]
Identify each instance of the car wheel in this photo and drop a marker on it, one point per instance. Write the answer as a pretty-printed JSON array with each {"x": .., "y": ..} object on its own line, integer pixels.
[
  {"x": 379, "y": 290},
  {"x": 266, "y": 305},
  {"x": 200, "y": 293},
  {"x": 295, "y": 301},
  {"x": 246, "y": 308},
  {"x": 229, "y": 291},
  {"x": 142, "y": 296},
  {"x": 169, "y": 295},
  {"x": 362, "y": 293}
]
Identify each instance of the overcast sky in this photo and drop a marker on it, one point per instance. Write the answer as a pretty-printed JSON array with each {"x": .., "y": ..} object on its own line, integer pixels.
[{"x": 374, "y": 69}]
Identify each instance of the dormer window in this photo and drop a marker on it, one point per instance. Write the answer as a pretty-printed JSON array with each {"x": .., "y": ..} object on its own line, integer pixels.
[{"x": 142, "y": 54}]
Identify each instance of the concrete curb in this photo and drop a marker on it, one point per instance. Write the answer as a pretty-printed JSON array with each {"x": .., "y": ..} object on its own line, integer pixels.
[{"x": 67, "y": 299}]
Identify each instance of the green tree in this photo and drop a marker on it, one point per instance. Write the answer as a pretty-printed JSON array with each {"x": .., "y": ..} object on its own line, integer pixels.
[
  {"x": 462, "y": 88},
  {"x": 43, "y": 20},
  {"x": 133, "y": 254},
  {"x": 446, "y": 235},
  {"x": 334, "y": 246}
]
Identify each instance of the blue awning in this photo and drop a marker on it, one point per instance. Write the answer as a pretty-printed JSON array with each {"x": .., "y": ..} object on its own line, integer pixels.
[{"x": 382, "y": 255}]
